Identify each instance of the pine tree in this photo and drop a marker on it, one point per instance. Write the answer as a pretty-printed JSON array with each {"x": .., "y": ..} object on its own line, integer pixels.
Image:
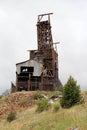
[{"x": 71, "y": 93}]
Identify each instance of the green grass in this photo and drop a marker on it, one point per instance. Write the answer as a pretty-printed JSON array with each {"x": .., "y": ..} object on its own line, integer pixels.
[
  {"x": 48, "y": 120},
  {"x": 43, "y": 105},
  {"x": 23, "y": 101}
]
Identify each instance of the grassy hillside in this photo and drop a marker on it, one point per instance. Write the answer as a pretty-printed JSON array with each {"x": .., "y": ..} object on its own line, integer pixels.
[{"x": 28, "y": 119}]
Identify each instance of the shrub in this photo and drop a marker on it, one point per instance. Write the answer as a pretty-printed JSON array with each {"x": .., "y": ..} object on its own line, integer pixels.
[
  {"x": 54, "y": 95},
  {"x": 23, "y": 101},
  {"x": 37, "y": 95},
  {"x": 43, "y": 105},
  {"x": 71, "y": 93},
  {"x": 56, "y": 107},
  {"x": 6, "y": 99},
  {"x": 11, "y": 116}
]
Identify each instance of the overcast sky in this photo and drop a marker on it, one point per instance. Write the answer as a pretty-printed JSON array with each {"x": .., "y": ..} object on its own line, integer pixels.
[{"x": 18, "y": 34}]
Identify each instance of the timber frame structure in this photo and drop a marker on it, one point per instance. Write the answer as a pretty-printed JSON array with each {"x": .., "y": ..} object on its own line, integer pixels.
[{"x": 40, "y": 72}]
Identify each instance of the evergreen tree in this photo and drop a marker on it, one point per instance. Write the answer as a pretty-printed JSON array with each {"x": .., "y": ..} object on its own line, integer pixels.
[{"x": 71, "y": 93}]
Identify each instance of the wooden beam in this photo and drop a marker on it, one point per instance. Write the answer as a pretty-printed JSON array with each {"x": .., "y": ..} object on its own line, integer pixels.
[{"x": 45, "y": 14}]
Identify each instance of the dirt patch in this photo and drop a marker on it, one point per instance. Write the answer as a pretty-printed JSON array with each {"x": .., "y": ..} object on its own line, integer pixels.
[
  {"x": 14, "y": 102},
  {"x": 17, "y": 102}
]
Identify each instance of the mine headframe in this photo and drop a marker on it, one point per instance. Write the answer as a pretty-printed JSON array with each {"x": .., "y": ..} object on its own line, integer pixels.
[
  {"x": 41, "y": 70},
  {"x": 48, "y": 55},
  {"x": 44, "y": 36}
]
